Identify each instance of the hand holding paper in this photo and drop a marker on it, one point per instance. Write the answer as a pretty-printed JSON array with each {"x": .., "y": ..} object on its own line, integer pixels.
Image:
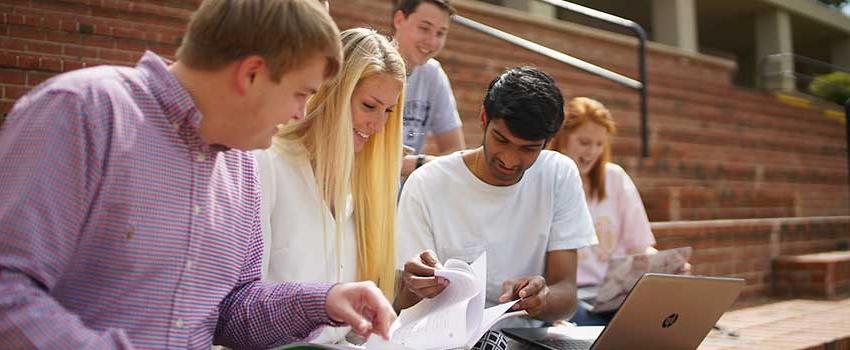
[
  {"x": 455, "y": 318},
  {"x": 532, "y": 293}
]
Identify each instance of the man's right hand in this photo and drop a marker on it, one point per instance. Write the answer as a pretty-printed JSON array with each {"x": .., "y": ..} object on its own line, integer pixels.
[
  {"x": 418, "y": 280},
  {"x": 362, "y": 306}
]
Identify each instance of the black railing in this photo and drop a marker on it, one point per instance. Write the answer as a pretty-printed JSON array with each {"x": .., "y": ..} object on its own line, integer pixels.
[
  {"x": 638, "y": 85},
  {"x": 641, "y": 36}
]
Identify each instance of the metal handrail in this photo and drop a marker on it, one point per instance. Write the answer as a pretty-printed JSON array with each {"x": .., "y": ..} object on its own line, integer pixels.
[
  {"x": 639, "y": 85},
  {"x": 641, "y": 36},
  {"x": 551, "y": 53}
]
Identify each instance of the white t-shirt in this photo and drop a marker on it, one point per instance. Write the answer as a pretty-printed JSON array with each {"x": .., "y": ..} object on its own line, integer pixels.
[
  {"x": 294, "y": 234},
  {"x": 429, "y": 105},
  {"x": 446, "y": 208},
  {"x": 621, "y": 226}
]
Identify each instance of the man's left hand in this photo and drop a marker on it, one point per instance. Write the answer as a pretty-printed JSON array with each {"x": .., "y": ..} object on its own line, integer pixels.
[{"x": 532, "y": 293}]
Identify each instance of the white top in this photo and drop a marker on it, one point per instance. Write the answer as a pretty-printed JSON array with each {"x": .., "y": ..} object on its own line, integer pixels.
[
  {"x": 429, "y": 105},
  {"x": 298, "y": 228},
  {"x": 621, "y": 226},
  {"x": 446, "y": 208}
]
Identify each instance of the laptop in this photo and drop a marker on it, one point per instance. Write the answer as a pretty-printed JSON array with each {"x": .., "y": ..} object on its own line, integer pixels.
[
  {"x": 661, "y": 312},
  {"x": 624, "y": 272}
]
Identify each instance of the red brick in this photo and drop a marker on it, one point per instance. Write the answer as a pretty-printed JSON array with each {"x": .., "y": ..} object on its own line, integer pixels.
[
  {"x": 35, "y": 78},
  {"x": 61, "y": 7},
  {"x": 44, "y": 48},
  {"x": 5, "y": 108},
  {"x": 28, "y": 62},
  {"x": 8, "y": 60},
  {"x": 120, "y": 32},
  {"x": 50, "y": 64},
  {"x": 7, "y": 43},
  {"x": 13, "y": 76},
  {"x": 13, "y": 92},
  {"x": 69, "y": 25},
  {"x": 118, "y": 55},
  {"x": 69, "y": 65},
  {"x": 14, "y": 18},
  {"x": 131, "y": 44},
  {"x": 62, "y": 37},
  {"x": 97, "y": 41},
  {"x": 79, "y": 51},
  {"x": 19, "y": 31}
]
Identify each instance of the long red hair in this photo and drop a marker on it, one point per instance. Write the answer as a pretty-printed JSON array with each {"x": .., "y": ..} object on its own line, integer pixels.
[{"x": 581, "y": 110}]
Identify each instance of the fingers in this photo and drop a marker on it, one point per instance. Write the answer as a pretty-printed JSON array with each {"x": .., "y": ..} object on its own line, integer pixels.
[
  {"x": 418, "y": 267},
  {"x": 532, "y": 287},
  {"x": 419, "y": 275},
  {"x": 532, "y": 293},
  {"x": 507, "y": 291},
  {"x": 430, "y": 258},
  {"x": 347, "y": 314},
  {"x": 380, "y": 312},
  {"x": 425, "y": 287},
  {"x": 362, "y": 306}
]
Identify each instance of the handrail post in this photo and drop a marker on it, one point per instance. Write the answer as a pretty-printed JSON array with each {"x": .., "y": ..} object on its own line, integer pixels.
[
  {"x": 641, "y": 35},
  {"x": 847, "y": 129},
  {"x": 644, "y": 107}
]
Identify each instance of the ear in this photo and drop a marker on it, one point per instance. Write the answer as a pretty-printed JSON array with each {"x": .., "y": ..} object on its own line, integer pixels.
[
  {"x": 247, "y": 72},
  {"x": 398, "y": 19}
]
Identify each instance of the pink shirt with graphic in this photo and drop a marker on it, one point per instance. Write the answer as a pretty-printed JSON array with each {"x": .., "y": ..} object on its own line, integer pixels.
[{"x": 621, "y": 226}]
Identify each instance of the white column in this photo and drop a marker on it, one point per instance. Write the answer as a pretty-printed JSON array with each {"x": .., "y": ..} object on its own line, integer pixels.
[
  {"x": 841, "y": 52},
  {"x": 674, "y": 22},
  {"x": 773, "y": 35}
]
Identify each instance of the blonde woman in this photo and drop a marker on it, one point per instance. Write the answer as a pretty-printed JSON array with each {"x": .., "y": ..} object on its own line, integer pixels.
[{"x": 329, "y": 184}]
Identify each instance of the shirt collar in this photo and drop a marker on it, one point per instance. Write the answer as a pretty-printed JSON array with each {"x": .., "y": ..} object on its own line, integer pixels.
[{"x": 176, "y": 102}]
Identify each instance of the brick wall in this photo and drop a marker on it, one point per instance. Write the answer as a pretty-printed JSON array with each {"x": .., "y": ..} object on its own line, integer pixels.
[
  {"x": 41, "y": 38},
  {"x": 747, "y": 248},
  {"x": 820, "y": 275},
  {"x": 717, "y": 151}
]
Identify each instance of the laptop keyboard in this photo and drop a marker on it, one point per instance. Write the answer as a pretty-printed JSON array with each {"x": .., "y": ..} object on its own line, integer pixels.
[{"x": 565, "y": 344}]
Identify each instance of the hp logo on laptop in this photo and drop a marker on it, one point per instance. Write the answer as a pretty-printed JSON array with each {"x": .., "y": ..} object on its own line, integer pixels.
[{"x": 670, "y": 321}]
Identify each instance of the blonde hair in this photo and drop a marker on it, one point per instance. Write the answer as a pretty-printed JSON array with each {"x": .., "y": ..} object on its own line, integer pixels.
[
  {"x": 285, "y": 33},
  {"x": 581, "y": 110},
  {"x": 372, "y": 175}
]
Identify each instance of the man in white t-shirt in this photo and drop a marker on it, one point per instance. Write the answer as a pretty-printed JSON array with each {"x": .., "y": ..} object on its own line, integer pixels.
[
  {"x": 522, "y": 205},
  {"x": 420, "y": 28}
]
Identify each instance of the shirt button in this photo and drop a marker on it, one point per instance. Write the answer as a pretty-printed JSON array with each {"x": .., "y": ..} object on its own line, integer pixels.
[
  {"x": 175, "y": 126},
  {"x": 130, "y": 231},
  {"x": 201, "y": 157},
  {"x": 179, "y": 323},
  {"x": 189, "y": 264},
  {"x": 198, "y": 209}
]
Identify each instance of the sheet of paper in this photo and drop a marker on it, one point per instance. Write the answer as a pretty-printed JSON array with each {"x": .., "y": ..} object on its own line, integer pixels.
[
  {"x": 489, "y": 317},
  {"x": 454, "y": 319}
]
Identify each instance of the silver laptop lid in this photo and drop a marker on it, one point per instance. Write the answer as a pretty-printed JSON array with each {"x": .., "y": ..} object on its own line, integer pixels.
[{"x": 669, "y": 312}]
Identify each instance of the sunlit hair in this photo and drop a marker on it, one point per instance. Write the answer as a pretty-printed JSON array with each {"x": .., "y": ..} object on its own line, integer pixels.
[
  {"x": 372, "y": 175},
  {"x": 581, "y": 110}
]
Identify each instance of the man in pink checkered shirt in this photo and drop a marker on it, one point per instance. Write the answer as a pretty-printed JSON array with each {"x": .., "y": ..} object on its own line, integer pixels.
[{"x": 129, "y": 205}]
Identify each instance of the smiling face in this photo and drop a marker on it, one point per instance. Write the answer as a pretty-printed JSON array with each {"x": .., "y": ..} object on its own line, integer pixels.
[
  {"x": 422, "y": 34},
  {"x": 373, "y": 99},
  {"x": 506, "y": 156},
  {"x": 585, "y": 145}
]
